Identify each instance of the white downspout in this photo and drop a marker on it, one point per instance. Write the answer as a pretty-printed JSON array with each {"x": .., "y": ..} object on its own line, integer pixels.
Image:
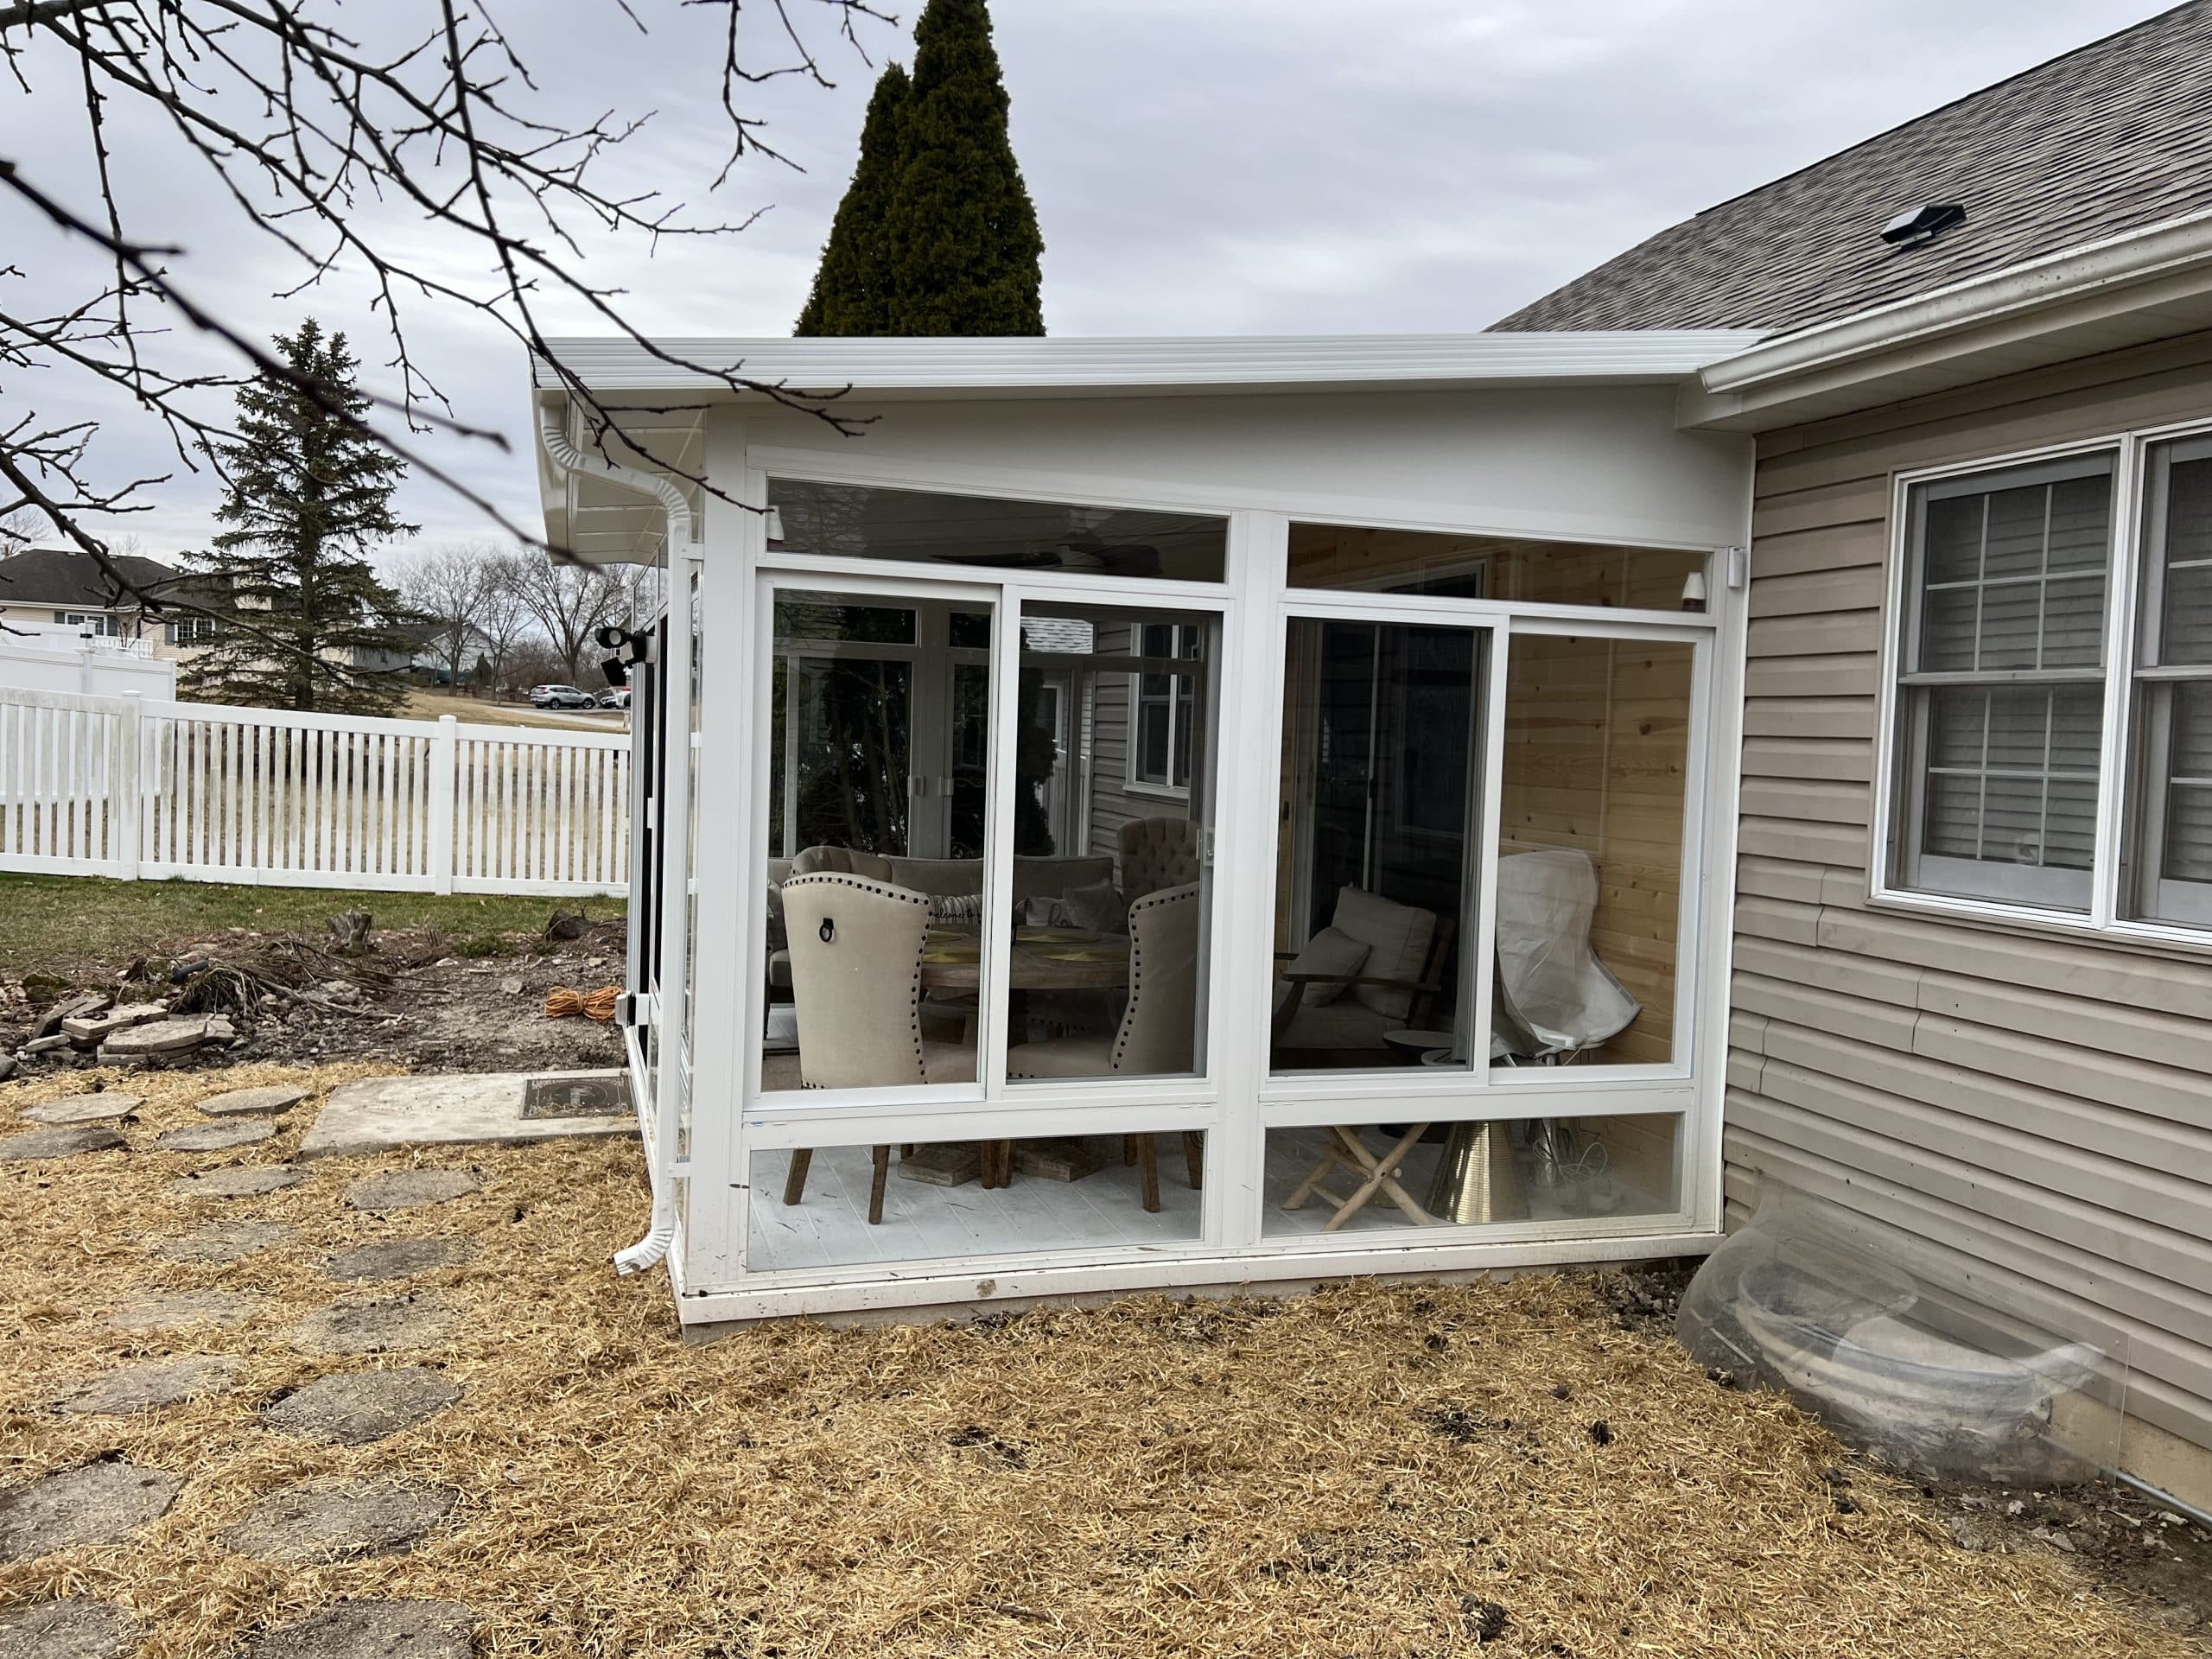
[{"x": 658, "y": 1119}]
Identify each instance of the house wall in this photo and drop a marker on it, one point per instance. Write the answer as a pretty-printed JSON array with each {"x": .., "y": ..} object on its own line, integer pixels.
[{"x": 2036, "y": 1108}]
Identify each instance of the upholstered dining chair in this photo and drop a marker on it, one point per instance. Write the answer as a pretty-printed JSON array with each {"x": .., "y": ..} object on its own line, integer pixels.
[
  {"x": 856, "y": 977},
  {"x": 1159, "y": 1028},
  {"x": 1158, "y": 853}
]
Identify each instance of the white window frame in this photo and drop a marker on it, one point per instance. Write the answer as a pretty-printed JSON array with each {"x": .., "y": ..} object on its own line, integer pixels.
[
  {"x": 2120, "y": 761},
  {"x": 1135, "y": 781}
]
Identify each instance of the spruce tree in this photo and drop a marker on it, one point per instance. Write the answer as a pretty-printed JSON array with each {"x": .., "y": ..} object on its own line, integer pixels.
[
  {"x": 306, "y": 497},
  {"x": 851, "y": 289}
]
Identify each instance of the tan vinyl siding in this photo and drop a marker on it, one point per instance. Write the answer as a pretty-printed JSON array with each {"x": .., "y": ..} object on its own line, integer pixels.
[{"x": 2039, "y": 1108}]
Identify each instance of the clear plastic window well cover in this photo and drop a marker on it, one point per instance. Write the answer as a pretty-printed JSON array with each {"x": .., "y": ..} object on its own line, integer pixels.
[{"x": 1872, "y": 1331}]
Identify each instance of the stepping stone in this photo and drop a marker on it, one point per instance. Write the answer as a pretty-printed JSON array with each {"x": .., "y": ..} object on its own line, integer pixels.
[
  {"x": 254, "y": 1103},
  {"x": 224, "y": 1241},
  {"x": 58, "y": 1141},
  {"x": 242, "y": 1181},
  {"x": 374, "y": 1630},
  {"x": 87, "y": 1109},
  {"x": 163, "y": 1037},
  {"x": 175, "y": 1309},
  {"x": 97, "y": 1504},
  {"x": 215, "y": 1137},
  {"x": 362, "y": 1517},
  {"x": 396, "y": 1258},
  {"x": 375, "y": 1327},
  {"x": 354, "y": 1408},
  {"x": 89, "y": 1030},
  {"x": 146, "y": 1388},
  {"x": 76, "y": 1627},
  {"x": 409, "y": 1189}
]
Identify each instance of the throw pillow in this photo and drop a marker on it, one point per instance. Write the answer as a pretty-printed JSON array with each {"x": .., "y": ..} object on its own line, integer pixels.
[
  {"x": 1398, "y": 937},
  {"x": 957, "y": 907},
  {"x": 1097, "y": 908},
  {"x": 1329, "y": 952}
]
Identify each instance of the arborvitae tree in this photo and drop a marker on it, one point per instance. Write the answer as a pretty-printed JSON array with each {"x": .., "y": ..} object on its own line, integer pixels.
[
  {"x": 851, "y": 291},
  {"x": 961, "y": 231},
  {"x": 306, "y": 497}
]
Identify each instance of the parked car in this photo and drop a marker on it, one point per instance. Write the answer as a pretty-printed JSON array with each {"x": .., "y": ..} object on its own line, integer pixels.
[
  {"x": 616, "y": 696},
  {"x": 560, "y": 696}
]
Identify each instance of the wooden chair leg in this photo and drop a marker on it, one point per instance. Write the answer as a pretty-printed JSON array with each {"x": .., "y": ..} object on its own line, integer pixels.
[
  {"x": 1148, "y": 1168},
  {"x": 1128, "y": 1149},
  {"x": 795, "y": 1182},
  {"x": 1194, "y": 1157},
  {"x": 875, "y": 1187}
]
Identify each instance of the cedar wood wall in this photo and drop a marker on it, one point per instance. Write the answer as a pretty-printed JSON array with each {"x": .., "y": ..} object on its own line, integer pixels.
[{"x": 2038, "y": 1107}]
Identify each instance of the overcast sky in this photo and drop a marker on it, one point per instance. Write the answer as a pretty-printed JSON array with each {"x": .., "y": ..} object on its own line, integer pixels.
[{"x": 1230, "y": 167}]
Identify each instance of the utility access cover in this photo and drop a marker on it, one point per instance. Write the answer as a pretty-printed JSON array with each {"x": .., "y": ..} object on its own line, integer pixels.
[{"x": 600, "y": 1096}]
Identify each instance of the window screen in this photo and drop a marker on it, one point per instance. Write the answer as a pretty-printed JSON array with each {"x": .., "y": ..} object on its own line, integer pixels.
[
  {"x": 2002, "y": 693},
  {"x": 2169, "y": 875}
]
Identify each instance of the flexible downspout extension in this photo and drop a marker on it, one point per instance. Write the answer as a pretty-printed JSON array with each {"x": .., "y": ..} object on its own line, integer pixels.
[{"x": 656, "y": 1118}]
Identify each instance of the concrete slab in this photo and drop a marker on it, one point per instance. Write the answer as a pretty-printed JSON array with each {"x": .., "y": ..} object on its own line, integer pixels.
[
  {"x": 58, "y": 1141},
  {"x": 87, "y": 1109},
  {"x": 409, "y": 1189},
  {"x": 97, "y": 1504},
  {"x": 397, "y": 1258},
  {"x": 377, "y": 1327},
  {"x": 216, "y": 1137},
  {"x": 354, "y": 1408},
  {"x": 176, "y": 1310},
  {"x": 245, "y": 1181},
  {"x": 253, "y": 1102},
  {"x": 75, "y": 1627},
  {"x": 379, "y": 1114},
  {"x": 226, "y": 1241},
  {"x": 150, "y": 1386},
  {"x": 331, "y": 1523}
]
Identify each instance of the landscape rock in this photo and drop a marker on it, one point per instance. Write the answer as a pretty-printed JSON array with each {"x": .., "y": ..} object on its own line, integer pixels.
[
  {"x": 241, "y": 1181},
  {"x": 254, "y": 1103},
  {"x": 85, "y": 1108},
  {"x": 46, "y": 1044},
  {"x": 75, "y": 1627},
  {"x": 59, "y": 1141},
  {"x": 374, "y": 1630},
  {"x": 97, "y": 1504},
  {"x": 90, "y": 1030},
  {"x": 9, "y": 1066},
  {"x": 377, "y": 1327},
  {"x": 174, "y": 1310},
  {"x": 330, "y": 1523},
  {"x": 159, "y": 1037},
  {"x": 409, "y": 1189},
  {"x": 70, "y": 1008},
  {"x": 216, "y": 1137},
  {"x": 355, "y": 1407},
  {"x": 147, "y": 1387},
  {"x": 224, "y": 1241},
  {"x": 396, "y": 1258}
]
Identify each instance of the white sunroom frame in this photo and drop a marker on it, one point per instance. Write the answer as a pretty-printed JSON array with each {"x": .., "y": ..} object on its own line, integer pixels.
[{"x": 730, "y": 1119}]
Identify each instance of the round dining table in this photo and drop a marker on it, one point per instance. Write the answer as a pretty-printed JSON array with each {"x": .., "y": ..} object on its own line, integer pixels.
[{"x": 1044, "y": 959}]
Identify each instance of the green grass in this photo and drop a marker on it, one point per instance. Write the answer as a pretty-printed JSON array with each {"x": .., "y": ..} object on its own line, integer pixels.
[{"x": 56, "y": 923}]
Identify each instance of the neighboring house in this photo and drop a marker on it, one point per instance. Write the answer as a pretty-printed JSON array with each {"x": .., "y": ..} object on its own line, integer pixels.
[
  {"x": 54, "y": 587},
  {"x": 1748, "y": 720},
  {"x": 1972, "y": 989}
]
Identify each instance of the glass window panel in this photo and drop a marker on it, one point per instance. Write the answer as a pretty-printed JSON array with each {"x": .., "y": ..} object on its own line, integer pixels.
[
  {"x": 2074, "y": 622},
  {"x": 1948, "y": 623},
  {"x": 2019, "y": 722},
  {"x": 1953, "y": 536},
  {"x": 1953, "y": 826},
  {"x": 1590, "y": 865},
  {"x": 1404, "y": 1177},
  {"x": 2081, "y": 523},
  {"x": 2011, "y": 615},
  {"x": 1958, "y": 727},
  {"x": 2192, "y": 731},
  {"x": 2012, "y": 820},
  {"x": 969, "y": 630},
  {"x": 2070, "y": 828},
  {"x": 2014, "y": 543},
  {"x": 850, "y": 521},
  {"x": 2188, "y": 834},
  {"x": 1490, "y": 567},
  {"x": 1375, "y": 878},
  {"x": 878, "y": 756},
  {"x": 837, "y": 1206},
  {"x": 1112, "y": 886},
  {"x": 2185, "y": 633}
]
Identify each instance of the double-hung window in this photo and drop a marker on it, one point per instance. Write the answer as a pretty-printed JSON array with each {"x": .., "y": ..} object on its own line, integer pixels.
[
  {"x": 1160, "y": 749},
  {"x": 2008, "y": 697}
]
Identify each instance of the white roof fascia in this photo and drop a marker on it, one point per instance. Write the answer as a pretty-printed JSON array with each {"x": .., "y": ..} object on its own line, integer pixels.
[
  {"x": 2161, "y": 264},
  {"x": 1134, "y": 365}
]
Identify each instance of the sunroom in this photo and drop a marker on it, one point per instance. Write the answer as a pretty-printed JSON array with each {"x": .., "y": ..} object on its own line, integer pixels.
[{"x": 1171, "y": 814}]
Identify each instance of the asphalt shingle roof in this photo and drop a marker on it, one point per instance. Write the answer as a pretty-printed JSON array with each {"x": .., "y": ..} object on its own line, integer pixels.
[
  {"x": 53, "y": 576},
  {"x": 2113, "y": 137}
]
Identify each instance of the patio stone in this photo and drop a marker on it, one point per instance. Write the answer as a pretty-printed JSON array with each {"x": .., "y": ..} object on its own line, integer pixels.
[
  {"x": 58, "y": 1141},
  {"x": 75, "y": 1627},
  {"x": 240, "y": 1181},
  {"x": 329, "y": 1523},
  {"x": 377, "y": 1327},
  {"x": 224, "y": 1241},
  {"x": 374, "y": 1630},
  {"x": 174, "y": 1310},
  {"x": 96, "y": 1503},
  {"x": 409, "y": 1189},
  {"x": 216, "y": 1137},
  {"x": 150, "y": 1386},
  {"x": 354, "y": 1408},
  {"x": 254, "y": 1103},
  {"x": 397, "y": 1258},
  {"x": 87, "y": 1109}
]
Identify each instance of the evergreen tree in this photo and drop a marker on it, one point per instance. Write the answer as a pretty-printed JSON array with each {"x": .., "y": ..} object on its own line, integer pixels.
[
  {"x": 308, "y": 496},
  {"x": 851, "y": 289}
]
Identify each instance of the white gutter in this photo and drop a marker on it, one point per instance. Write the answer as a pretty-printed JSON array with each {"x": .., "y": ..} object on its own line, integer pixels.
[
  {"x": 2175, "y": 247},
  {"x": 658, "y": 1118}
]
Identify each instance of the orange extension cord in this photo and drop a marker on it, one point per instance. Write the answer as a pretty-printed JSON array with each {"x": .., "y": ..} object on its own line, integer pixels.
[{"x": 560, "y": 1002}]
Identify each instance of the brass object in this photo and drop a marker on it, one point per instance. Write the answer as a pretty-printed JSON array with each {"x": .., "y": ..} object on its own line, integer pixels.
[{"x": 1476, "y": 1178}]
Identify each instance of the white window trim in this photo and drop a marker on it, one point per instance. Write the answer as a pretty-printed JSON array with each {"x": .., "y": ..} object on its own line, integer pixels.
[
  {"x": 1170, "y": 791},
  {"x": 2103, "y": 917}
]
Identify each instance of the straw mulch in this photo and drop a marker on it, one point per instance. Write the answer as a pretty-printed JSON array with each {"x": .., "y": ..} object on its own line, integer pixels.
[{"x": 1364, "y": 1472}]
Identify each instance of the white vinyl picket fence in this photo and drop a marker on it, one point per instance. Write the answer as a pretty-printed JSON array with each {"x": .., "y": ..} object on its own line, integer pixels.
[{"x": 132, "y": 787}]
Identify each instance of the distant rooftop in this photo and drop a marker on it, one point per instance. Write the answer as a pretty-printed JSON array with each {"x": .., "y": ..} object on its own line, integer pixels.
[
  {"x": 2113, "y": 137},
  {"x": 56, "y": 576}
]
